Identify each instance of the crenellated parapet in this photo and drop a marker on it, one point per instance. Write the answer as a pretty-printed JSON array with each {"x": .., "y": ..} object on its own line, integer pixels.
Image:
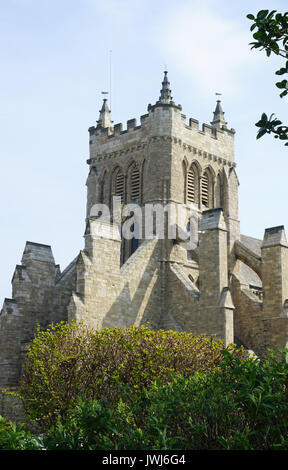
[
  {"x": 163, "y": 120},
  {"x": 105, "y": 137}
]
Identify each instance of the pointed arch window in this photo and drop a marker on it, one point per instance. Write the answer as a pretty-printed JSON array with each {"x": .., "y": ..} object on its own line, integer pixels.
[
  {"x": 219, "y": 191},
  {"x": 119, "y": 185},
  {"x": 192, "y": 185},
  {"x": 134, "y": 184},
  {"x": 102, "y": 189},
  {"x": 207, "y": 189}
]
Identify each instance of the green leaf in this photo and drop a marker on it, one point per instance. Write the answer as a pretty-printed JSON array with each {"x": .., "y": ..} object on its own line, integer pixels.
[
  {"x": 264, "y": 117},
  {"x": 261, "y": 133},
  {"x": 281, "y": 71},
  {"x": 282, "y": 84},
  {"x": 250, "y": 17},
  {"x": 271, "y": 14},
  {"x": 262, "y": 13}
]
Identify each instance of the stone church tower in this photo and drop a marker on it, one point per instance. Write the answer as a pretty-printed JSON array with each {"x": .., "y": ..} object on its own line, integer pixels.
[{"x": 196, "y": 274}]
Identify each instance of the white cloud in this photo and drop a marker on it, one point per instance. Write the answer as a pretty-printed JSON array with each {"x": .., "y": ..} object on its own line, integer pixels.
[{"x": 212, "y": 50}]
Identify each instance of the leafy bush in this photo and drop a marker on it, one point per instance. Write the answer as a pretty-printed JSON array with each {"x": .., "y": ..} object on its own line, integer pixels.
[
  {"x": 240, "y": 405},
  {"x": 243, "y": 406},
  {"x": 260, "y": 391},
  {"x": 92, "y": 425},
  {"x": 67, "y": 361},
  {"x": 14, "y": 436}
]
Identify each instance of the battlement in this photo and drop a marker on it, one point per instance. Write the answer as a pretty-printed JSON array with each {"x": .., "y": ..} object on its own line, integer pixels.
[
  {"x": 208, "y": 129},
  {"x": 118, "y": 129},
  {"x": 164, "y": 122}
]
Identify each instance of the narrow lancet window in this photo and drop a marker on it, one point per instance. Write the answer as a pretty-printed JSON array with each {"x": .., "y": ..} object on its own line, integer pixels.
[
  {"x": 191, "y": 185},
  {"x": 207, "y": 190},
  {"x": 119, "y": 185},
  {"x": 134, "y": 184}
]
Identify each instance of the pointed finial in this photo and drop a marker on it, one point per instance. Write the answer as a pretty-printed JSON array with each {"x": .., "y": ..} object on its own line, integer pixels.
[
  {"x": 165, "y": 97},
  {"x": 165, "y": 92},
  {"x": 105, "y": 114},
  {"x": 218, "y": 115}
]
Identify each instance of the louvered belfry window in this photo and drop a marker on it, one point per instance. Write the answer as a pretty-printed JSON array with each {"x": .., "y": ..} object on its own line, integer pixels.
[
  {"x": 191, "y": 186},
  {"x": 205, "y": 189},
  {"x": 135, "y": 184},
  {"x": 119, "y": 185}
]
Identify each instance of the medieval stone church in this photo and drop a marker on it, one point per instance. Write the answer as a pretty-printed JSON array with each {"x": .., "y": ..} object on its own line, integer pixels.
[{"x": 226, "y": 284}]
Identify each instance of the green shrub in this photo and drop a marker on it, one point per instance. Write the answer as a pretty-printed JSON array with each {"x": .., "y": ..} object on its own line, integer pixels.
[
  {"x": 240, "y": 405},
  {"x": 92, "y": 425},
  {"x": 260, "y": 390},
  {"x": 192, "y": 413},
  {"x": 14, "y": 436},
  {"x": 67, "y": 361}
]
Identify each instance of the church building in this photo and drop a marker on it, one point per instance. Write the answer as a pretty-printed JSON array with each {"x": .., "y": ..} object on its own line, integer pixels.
[{"x": 162, "y": 243}]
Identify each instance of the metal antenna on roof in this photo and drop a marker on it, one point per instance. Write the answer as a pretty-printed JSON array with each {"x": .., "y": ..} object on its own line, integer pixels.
[{"x": 110, "y": 77}]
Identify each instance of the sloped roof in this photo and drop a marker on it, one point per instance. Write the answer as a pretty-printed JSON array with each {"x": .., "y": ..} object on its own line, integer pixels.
[
  {"x": 252, "y": 243},
  {"x": 247, "y": 275}
]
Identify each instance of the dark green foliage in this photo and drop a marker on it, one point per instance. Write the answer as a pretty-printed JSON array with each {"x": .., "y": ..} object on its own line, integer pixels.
[
  {"x": 261, "y": 392},
  {"x": 271, "y": 35},
  {"x": 243, "y": 406},
  {"x": 14, "y": 436},
  {"x": 272, "y": 125},
  {"x": 93, "y": 425},
  {"x": 68, "y": 361},
  {"x": 240, "y": 405}
]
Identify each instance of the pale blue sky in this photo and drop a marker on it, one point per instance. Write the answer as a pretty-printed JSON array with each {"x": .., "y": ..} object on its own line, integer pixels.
[{"x": 54, "y": 64}]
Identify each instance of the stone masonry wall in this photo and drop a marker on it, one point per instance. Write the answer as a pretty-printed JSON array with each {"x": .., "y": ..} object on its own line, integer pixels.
[
  {"x": 248, "y": 317},
  {"x": 110, "y": 296}
]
